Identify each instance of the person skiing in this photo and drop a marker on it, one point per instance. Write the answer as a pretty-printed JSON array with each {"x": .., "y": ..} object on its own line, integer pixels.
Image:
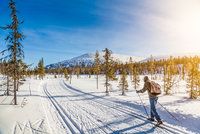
[{"x": 152, "y": 99}]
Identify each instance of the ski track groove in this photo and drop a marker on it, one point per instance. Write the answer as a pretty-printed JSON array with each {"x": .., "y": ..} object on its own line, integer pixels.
[
  {"x": 57, "y": 116},
  {"x": 126, "y": 110},
  {"x": 45, "y": 112},
  {"x": 62, "y": 113},
  {"x": 87, "y": 115},
  {"x": 105, "y": 106},
  {"x": 115, "y": 107},
  {"x": 92, "y": 104}
]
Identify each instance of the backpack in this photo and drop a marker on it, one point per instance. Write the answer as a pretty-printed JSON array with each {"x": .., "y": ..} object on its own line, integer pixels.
[{"x": 155, "y": 88}]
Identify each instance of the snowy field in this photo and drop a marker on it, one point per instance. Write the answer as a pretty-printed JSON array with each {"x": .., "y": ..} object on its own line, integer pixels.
[{"x": 55, "y": 106}]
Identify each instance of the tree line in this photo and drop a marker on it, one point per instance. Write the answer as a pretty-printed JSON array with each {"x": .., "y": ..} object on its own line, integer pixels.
[{"x": 170, "y": 71}]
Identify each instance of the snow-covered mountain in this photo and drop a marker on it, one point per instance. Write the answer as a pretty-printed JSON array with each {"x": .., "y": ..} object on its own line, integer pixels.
[{"x": 88, "y": 60}]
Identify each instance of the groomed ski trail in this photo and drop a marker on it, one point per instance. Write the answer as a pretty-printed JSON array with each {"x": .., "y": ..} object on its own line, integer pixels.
[{"x": 82, "y": 112}]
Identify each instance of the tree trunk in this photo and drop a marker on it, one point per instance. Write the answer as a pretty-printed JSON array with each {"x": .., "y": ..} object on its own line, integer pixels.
[
  {"x": 7, "y": 86},
  {"x": 97, "y": 81},
  {"x": 70, "y": 79},
  {"x": 15, "y": 94},
  {"x": 123, "y": 92},
  {"x": 17, "y": 85},
  {"x": 107, "y": 84},
  {"x": 15, "y": 72}
]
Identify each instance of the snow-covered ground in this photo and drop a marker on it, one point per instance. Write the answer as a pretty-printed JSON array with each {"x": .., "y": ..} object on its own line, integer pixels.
[{"x": 55, "y": 106}]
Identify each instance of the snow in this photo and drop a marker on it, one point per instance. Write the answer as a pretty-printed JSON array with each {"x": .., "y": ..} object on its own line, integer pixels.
[
  {"x": 29, "y": 109},
  {"x": 55, "y": 106}
]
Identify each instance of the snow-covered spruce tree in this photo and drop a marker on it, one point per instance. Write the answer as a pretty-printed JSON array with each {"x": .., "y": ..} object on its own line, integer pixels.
[
  {"x": 130, "y": 67},
  {"x": 183, "y": 72},
  {"x": 41, "y": 69},
  {"x": 66, "y": 74},
  {"x": 193, "y": 78},
  {"x": 35, "y": 72},
  {"x": 123, "y": 84},
  {"x": 70, "y": 75},
  {"x": 77, "y": 71},
  {"x": 135, "y": 76},
  {"x": 164, "y": 76},
  {"x": 29, "y": 72},
  {"x": 5, "y": 70},
  {"x": 59, "y": 71},
  {"x": 97, "y": 67},
  {"x": 112, "y": 70},
  {"x": 151, "y": 66},
  {"x": 107, "y": 67},
  {"x": 14, "y": 46},
  {"x": 21, "y": 73},
  {"x": 181, "y": 64},
  {"x": 8, "y": 80},
  {"x": 170, "y": 70},
  {"x": 89, "y": 71}
]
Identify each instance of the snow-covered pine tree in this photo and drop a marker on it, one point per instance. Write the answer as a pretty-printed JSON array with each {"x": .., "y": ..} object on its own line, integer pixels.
[
  {"x": 59, "y": 71},
  {"x": 183, "y": 71},
  {"x": 35, "y": 72},
  {"x": 193, "y": 78},
  {"x": 15, "y": 47},
  {"x": 107, "y": 67},
  {"x": 135, "y": 76},
  {"x": 70, "y": 75},
  {"x": 77, "y": 71},
  {"x": 7, "y": 81},
  {"x": 66, "y": 74},
  {"x": 130, "y": 67},
  {"x": 21, "y": 73},
  {"x": 170, "y": 70},
  {"x": 151, "y": 66},
  {"x": 41, "y": 69},
  {"x": 123, "y": 84},
  {"x": 112, "y": 70},
  {"x": 97, "y": 67}
]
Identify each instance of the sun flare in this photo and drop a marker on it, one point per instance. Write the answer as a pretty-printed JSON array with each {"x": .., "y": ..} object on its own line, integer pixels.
[{"x": 181, "y": 25}]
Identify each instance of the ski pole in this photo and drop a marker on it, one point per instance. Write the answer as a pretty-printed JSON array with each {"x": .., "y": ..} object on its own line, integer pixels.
[
  {"x": 169, "y": 112},
  {"x": 143, "y": 104}
]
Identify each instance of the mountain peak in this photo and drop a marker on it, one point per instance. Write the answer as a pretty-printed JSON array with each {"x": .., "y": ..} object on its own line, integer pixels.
[{"x": 87, "y": 59}]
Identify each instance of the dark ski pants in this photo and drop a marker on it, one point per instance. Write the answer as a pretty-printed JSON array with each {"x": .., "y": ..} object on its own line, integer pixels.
[{"x": 153, "y": 102}]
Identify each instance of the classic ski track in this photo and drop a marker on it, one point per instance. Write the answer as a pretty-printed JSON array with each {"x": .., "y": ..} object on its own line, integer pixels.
[
  {"x": 88, "y": 112},
  {"x": 3, "y": 99},
  {"x": 92, "y": 104},
  {"x": 45, "y": 111},
  {"x": 115, "y": 107},
  {"x": 86, "y": 115},
  {"x": 108, "y": 107},
  {"x": 166, "y": 128},
  {"x": 57, "y": 115},
  {"x": 62, "y": 113}
]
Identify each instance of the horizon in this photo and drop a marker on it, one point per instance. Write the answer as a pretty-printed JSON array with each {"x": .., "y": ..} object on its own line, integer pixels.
[
  {"x": 67, "y": 29},
  {"x": 126, "y": 58}
]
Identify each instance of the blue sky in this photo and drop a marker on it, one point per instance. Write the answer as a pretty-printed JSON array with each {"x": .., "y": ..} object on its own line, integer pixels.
[{"x": 61, "y": 29}]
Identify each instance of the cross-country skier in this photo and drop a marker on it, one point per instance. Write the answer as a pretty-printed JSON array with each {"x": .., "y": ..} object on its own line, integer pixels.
[{"x": 152, "y": 99}]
